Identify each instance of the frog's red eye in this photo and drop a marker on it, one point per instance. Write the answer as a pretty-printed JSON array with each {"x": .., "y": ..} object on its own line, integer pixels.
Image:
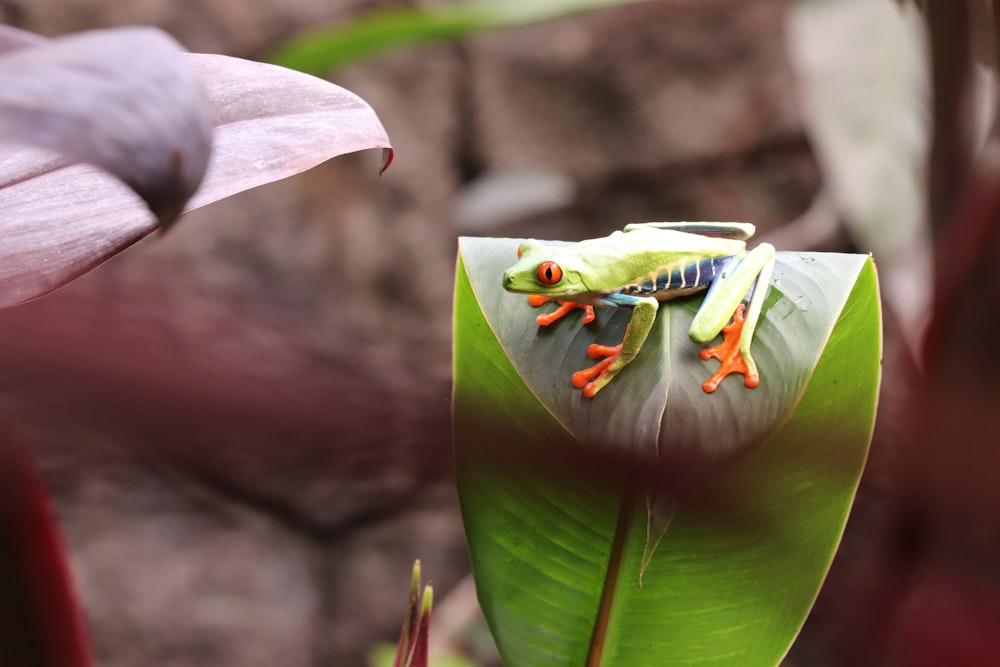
[
  {"x": 519, "y": 250},
  {"x": 549, "y": 273}
]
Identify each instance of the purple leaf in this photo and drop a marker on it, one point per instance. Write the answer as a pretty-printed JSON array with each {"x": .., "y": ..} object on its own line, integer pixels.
[
  {"x": 59, "y": 220},
  {"x": 124, "y": 100},
  {"x": 12, "y": 39}
]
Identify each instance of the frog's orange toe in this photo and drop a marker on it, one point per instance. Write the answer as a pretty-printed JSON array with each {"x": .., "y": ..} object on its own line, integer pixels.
[
  {"x": 589, "y": 379},
  {"x": 728, "y": 352},
  {"x": 565, "y": 307}
]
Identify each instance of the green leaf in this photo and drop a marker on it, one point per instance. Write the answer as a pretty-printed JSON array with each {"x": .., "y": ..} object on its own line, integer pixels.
[
  {"x": 585, "y": 550},
  {"x": 325, "y": 49}
]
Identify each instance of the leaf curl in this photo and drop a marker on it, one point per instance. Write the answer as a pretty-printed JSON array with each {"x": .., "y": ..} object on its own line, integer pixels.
[
  {"x": 61, "y": 217},
  {"x": 124, "y": 100}
]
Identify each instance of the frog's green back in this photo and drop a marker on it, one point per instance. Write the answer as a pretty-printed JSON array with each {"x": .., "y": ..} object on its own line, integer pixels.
[
  {"x": 644, "y": 256},
  {"x": 640, "y": 261}
]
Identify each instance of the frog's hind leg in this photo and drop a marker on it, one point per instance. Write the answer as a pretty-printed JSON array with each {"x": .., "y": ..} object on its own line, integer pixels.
[
  {"x": 728, "y": 353},
  {"x": 742, "y": 295}
]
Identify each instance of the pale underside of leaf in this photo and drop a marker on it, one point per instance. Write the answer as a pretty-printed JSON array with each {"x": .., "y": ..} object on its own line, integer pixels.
[
  {"x": 656, "y": 408},
  {"x": 863, "y": 80}
]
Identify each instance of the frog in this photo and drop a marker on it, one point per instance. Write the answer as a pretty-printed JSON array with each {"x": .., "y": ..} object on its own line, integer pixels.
[{"x": 643, "y": 266}]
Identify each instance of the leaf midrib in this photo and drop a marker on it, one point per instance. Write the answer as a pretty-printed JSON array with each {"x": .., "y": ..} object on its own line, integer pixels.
[{"x": 595, "y": 653}]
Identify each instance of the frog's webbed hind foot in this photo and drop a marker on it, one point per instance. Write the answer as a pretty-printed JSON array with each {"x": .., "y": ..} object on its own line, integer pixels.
[{"x": 733, "y": 359}]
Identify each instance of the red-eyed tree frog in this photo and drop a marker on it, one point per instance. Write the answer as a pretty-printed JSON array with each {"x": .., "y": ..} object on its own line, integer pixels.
[{"x": 643, "y": 265}]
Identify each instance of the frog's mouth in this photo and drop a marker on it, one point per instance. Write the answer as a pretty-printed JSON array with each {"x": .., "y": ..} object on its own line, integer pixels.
[{"x": 529, "y": 287}]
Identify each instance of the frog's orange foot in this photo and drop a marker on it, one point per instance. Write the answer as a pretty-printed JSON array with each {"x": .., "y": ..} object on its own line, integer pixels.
[
  {"x": 728, "y": 352},
  {"x": 589, "y": 379},
  {"x": 564, "y": 308}
]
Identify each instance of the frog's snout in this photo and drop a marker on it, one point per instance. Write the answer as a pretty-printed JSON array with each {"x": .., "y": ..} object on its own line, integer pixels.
[{"x": 508, "y": 279}]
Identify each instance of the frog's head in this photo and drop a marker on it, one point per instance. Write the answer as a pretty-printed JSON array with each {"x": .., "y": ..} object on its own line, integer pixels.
[{"x": 547, "y": 270}]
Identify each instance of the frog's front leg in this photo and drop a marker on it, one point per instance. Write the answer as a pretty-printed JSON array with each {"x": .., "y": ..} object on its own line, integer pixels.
[
  {"x": 565, "y": 307},
  {"x": 727, "y": 298},
  {"x": 592, "y": 380}
]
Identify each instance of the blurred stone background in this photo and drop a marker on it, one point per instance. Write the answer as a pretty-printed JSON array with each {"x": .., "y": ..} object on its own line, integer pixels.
[{"x": 245, "y": 423}]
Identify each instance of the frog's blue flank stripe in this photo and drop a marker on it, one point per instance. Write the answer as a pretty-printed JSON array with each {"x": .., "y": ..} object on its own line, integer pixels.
[{"x": 694, "y": 276}]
